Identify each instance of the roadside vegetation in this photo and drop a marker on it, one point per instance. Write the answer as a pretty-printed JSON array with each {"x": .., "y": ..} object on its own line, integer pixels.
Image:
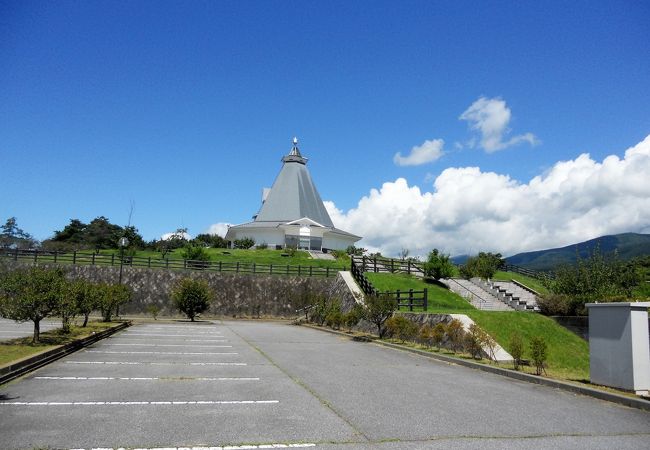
[{"x": 15, "y": 349}]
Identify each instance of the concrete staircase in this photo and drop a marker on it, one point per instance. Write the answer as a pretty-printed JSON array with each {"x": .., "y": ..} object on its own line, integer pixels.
[
  {"x": 476, "y": 295},
  {"x": 515, "y": 294}
]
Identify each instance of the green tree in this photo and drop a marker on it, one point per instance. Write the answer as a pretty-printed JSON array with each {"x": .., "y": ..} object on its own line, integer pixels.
[
  {"x": 87, "y": 297},
  {"x": 538, "y": 353},
  {"x": 102, "y": 234},
  {"x": 196, "y": 255},
  {"x": 135, "y": 238},
  {"x": 211, "y": 240},
  {"x": 516, "y": 345},
  {"x": 11, "y": 236},
  {"x": 596, "y": 278},
  {"x": 192, "y": 297},
  {"x": 438, "y": 265},
  {"x": 378, "y": 309},
  {"x": 484, "y": 265},
  {"x": 111, "y": 297},
  {"x": 244, "y": 243},
  {"x": 455, "y": 333},
  {"x": 31, "y": 294}
]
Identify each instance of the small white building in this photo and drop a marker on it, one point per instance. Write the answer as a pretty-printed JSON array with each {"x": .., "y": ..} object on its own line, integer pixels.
[{"x": 292, "y": 213}]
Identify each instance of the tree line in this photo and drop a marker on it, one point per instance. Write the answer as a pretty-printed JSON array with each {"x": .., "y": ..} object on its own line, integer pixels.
[{"x": 35, "y": 293}]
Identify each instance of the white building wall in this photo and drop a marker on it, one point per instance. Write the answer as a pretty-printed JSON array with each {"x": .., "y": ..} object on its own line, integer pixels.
[{"x": 334, "y": 242}]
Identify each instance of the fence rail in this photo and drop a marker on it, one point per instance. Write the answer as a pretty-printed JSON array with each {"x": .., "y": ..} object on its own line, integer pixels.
[
  {"x": 405, "y": 299},
  {"x": 528, "y": 272},
  {"x": 380, "y": 264},
  {"x": 78, "y": 258}
]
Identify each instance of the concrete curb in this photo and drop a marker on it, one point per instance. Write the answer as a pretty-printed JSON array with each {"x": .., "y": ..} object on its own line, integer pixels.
[
  {"x": 583, "y": 390},
  {"x": 24, "y": 366}
]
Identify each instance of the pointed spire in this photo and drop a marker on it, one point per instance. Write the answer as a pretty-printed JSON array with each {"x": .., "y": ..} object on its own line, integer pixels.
[{"x": 294, "y": 155}]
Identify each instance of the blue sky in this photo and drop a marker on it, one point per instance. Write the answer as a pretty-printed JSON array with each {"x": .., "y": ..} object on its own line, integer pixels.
[{"x": 185, "y": 109}]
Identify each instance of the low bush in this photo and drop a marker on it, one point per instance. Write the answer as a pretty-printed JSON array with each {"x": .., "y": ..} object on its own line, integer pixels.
[
  {"x": 538, "y": 353},
  {"x": 401, "y": 328},
  {"x": 244, "y": 243},
  {"x": 192, "y": 297},
  {"x": 516, "y": 345},
  {"x": 455, "y": 334}
]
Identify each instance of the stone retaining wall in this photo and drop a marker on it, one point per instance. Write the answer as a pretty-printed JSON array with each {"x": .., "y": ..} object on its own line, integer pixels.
[{"x": 236, "y": 295}]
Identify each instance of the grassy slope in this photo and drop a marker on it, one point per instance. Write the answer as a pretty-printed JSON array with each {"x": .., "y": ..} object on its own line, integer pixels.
[
  {"x": 568, "y": 355},
  {"x": 440, "y": 299},
  {"x": 19, "y": 348},
  {"x": 532, "y": 283},
  {"x": 258, "y": 256}
]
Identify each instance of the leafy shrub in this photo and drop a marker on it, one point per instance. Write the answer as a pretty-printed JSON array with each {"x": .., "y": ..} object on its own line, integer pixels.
[
  {"x": 196, "y": 255},
  {"x": 111, "y": 297},
  {"x": 334, "y": 319},
  {"x": 263, "y": 246},
  {"x": 352, "y": 317},
  {"x": 192, "y": 297},
  {"x": 424, "y": 335},
  {"x": 154, "y": 310},
  {"x": 291, "y": 251},
  {"x": 554, "y": 305},
  {"x": 438, "y": 334},
  {"x": 356, "y": 251},
  {"x": 538, "y": 353},
  {"x": 438, "y": 265},
  {"x": 401, "y": 328},
  {"x": 455, "y": 333},
  {"x": 516, "y": 345},
  {"x": 474, "y": 340},
  {"x": 244, "y": 243},
  {"x": 378, "y": 309},
  {"x": 339, "y": 254}
]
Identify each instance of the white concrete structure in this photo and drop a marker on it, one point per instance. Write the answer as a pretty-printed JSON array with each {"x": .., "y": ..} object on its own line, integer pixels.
[
  {"x": 292, "y": 213},
  {"x": 619, "y": 350}
]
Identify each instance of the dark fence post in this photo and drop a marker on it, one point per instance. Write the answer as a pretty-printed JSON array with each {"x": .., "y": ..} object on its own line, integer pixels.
[
  {"x": 16, "y": 255},
  {"x": 55, "y": 253},
  {"x": 408, "y": 267},
  {"x": 166, "y": 263},
  {"x": 184, "y": 263},
  {"x": 35, "y": 256},
  {"x": 112, "y": 258},
  {"x": 375, "y": 264},
  {"x": 74, "y": 257},
  {"x": 253, "y": 267},
  {"x": 426, "y": 300},
  {"x": 298, "y": 269},
  {"x": 310, "y": 268},
  {"x": 398, "y": 298},
  {"x": 327, "y": 272},
  {"x": 271, "y": 269},
  {"x": 237, "y": 266},
  {"x": 392, "y": 265},
  {"x": 410, "y": 299},
  {"x": 92, "y": 262},
  {"x": 149, "y": 262},
  {"x": 220, "y": 268}
]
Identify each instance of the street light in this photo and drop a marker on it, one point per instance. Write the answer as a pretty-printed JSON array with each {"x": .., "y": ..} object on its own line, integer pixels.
[{"x": 123, "y": 242}]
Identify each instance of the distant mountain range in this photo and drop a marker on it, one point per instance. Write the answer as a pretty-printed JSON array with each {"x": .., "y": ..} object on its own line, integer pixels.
[{"x": 629, "y": 245}]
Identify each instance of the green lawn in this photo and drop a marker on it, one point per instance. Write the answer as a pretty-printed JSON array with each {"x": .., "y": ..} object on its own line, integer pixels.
[
  {"x": 440, "y": 299},
  {"x": 258, "y": 256},
  {"x": 568, "y": 354},
  {"x": 530, "y": 282},
  {"x": 19, "y": 348}
]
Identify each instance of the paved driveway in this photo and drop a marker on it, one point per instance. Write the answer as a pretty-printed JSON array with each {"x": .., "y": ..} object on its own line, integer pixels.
[{"x": 256, "y": 384}]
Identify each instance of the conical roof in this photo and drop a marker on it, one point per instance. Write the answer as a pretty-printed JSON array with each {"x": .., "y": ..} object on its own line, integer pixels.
[{"x": 293, "y": 195}]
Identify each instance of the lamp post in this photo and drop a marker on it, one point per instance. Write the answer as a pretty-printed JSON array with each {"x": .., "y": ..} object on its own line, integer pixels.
[{"x": 123, "y": 242}]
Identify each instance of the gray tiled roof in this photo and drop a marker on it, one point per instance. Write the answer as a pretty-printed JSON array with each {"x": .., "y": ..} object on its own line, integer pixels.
[{"x": 293, "y": 196}]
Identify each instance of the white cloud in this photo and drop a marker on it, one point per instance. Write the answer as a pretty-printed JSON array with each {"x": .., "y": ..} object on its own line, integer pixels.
[
  {"x": 220, "y": 228},
  {"x": 470, "y": 210},
  {"x": 167, "y": 236},
  {"x": 490, "y": 117},
  {"x": 428, "y": 152}
]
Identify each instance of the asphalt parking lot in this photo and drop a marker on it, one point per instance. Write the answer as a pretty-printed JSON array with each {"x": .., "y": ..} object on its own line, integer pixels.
[
  {"x": 253, "y": 384},
  {"x": 10, "y": 329}
]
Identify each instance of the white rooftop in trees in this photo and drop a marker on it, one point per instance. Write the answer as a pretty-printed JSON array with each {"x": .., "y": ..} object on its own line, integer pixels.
[{"x": 292, "y": 212}]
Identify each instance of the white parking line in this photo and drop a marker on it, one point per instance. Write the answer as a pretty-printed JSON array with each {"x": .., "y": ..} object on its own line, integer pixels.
[
  {"x": 134, "y": 363},
  {"x": 227, "y": 447},
  {"x": 174, "y": 345},
  {"x": 121, "y": 338},
  {"x": 163, "y": 353},
  {"x": 149, "y": 378},
  {"x": 172, "y": 403},
  {"x": 170, "y": 335}
]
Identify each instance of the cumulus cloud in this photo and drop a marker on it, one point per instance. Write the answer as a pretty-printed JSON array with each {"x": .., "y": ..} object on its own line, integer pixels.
[
  {"x": 428, "y": 152},
  {"x": 490, "y": 118},
  {"x": 219, "y": 228},
  {"x": 469, "y": 210},
  {"x": 168, "y": 236}
]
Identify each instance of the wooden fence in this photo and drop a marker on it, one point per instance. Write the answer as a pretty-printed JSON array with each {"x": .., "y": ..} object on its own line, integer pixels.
[
  {"x": 380, "y": 264},
  {"x": 405, "y": 299},
  {"x": 528, "y": 272},
  {"x": 78, "y": 258}
]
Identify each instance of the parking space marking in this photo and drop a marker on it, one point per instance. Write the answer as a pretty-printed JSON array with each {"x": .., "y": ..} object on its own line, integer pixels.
[
  {"x": 150, "y": 378},
  {"x": 226, "y": 447},
  {"x": 170, "y": 335},
  {"x": 163, "y": 353},
  {"x": 172, "y": 345},
  {"x": 157, "y": 403},
  {"x": 149, "y": 340},
  {"x": 134, "y": 363}
]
